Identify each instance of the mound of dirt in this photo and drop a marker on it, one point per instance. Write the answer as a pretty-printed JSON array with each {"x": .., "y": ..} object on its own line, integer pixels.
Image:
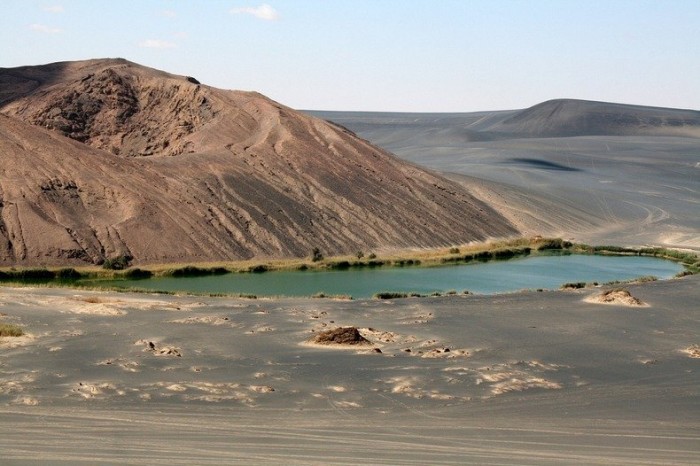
[
  {"x": 617, "y": 296},
  {"x": 341, "y": 336}
]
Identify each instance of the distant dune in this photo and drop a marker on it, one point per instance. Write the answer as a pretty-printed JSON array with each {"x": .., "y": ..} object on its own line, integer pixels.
[
  {"x": 568, "y": 117},
  {"x": 106, "y": 157}
]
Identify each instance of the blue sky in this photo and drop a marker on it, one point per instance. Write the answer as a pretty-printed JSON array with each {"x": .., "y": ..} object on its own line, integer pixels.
[{"x": 390, "y": 55}]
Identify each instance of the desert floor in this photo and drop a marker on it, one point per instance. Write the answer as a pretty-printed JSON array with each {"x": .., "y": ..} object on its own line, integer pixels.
[{"x": 523, "y": 378}]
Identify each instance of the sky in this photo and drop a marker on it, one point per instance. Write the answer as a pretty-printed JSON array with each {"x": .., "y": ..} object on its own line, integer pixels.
[{"x": 384, "y": 55}]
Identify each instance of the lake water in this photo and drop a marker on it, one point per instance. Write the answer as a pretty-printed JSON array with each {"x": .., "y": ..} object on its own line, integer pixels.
[{"x": 547, "y": 272}]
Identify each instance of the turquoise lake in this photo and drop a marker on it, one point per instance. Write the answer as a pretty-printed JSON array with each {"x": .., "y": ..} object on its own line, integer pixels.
[{"x": 546, "y": 272}]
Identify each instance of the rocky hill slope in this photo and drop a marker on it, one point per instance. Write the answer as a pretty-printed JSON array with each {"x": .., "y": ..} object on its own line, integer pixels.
[{"x": 106, "y": 157}]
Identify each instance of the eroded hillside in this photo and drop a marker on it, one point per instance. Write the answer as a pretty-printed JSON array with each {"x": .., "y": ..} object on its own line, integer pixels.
[{"x": 106, "y": 157}]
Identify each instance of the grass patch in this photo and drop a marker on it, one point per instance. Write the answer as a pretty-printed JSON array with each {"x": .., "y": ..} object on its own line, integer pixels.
[{"x": 10, "y": 330}]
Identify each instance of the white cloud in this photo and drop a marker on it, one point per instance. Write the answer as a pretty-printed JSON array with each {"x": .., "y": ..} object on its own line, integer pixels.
[
  {"x": 263, "y": 11},
  {"x": 45, "y": 29},
  {"x": 169, "y": 13},
  {"x": 54, "y": 9},
  {"x": 156, "y": 44}
]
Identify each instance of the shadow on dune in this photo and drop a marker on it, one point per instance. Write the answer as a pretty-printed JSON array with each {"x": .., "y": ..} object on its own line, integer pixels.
[{"x": 542, "y": 164}]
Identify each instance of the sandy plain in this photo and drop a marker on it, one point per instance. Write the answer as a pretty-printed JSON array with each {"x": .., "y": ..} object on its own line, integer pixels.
[{"x": 522, "y": 378}]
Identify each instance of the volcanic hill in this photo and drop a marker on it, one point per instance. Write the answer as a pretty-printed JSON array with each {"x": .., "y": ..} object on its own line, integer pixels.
[{"x": 103, "y": 158}]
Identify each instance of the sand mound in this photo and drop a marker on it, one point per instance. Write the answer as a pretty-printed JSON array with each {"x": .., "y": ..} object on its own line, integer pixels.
[
  {"x": 693, "y": 351},
  {"x": 618, "y": 297},
  {"x": 341, "y": 336}
]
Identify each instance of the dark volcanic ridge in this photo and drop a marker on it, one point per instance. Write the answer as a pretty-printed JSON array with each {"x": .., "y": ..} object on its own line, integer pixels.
[
  {"x": 569, "y": 117},
  {"x": 103, "y": 158}
]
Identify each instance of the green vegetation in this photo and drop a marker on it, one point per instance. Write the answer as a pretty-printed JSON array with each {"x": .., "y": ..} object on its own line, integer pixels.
[{"x": 10, "y": 330}]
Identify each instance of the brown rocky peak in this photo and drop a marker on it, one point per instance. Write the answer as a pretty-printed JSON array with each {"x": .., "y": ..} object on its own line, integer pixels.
[{"x": 114, "y": 105}]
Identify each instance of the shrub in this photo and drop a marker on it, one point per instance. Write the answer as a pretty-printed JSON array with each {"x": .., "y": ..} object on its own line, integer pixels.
[
  {"x": 69, "y": 274},
  {"x": 375, "y": 263},
  {"x": 316, "y": 255},
  {"x": 454, "y": 250},
  {"x": 34, "y": 274},
  {"x": 340, "y": 265},
  {"x": 137, "y": 273},
  {"x": 10, "y": 330},
  {"x": 260, "y": 268},
  {"x": 390, "y": 295},
  {"x": 360, "y": 254},
  {"x": 192, "y": 271},
  {"x": 372, "y": 256},
  {"x": 573, "y": 286}
]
